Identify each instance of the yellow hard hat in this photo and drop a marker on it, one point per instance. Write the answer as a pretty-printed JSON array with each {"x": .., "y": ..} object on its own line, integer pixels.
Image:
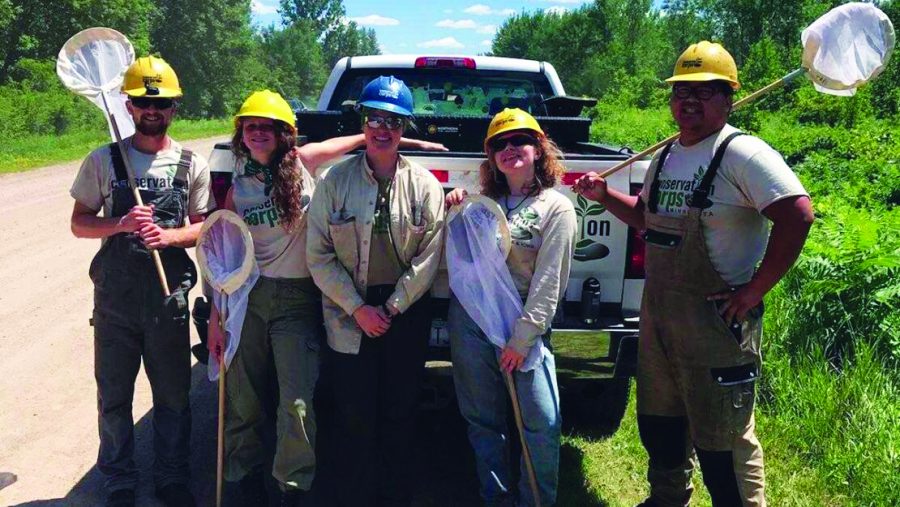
[
  {"x": 511, "y": 119},
  {"x": 267, "y": 104},
  {"x": 705, "y": 61},
  {"x": 151, "y": 77}
]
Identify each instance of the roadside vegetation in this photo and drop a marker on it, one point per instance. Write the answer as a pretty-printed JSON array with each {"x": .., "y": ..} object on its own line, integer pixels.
[{"x": 828, "y": 413}]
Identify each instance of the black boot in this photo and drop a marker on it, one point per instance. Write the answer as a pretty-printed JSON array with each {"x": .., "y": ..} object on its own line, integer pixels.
[{"x": 253, "y": 490}]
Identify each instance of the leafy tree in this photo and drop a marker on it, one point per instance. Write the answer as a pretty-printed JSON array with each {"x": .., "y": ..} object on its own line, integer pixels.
[
  {"x": 349, "y": 40},
  {"x": 38, "y": 29},
  {"x": 210, "y": 45},
  {"x": 325, "y": 15},
  {"x": 294, "y": 59}
]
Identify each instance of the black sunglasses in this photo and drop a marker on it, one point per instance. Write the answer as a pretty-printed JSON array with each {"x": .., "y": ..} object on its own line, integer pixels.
[
  {"x": 518, "y": 140},
  {"x": 146, "y": 102},
  {"x": 391, "y": 122},
  {"x": 701, "y": 92}
]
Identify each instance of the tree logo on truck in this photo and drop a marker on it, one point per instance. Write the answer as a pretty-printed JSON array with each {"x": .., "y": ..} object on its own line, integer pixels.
[{"x": 588, "y": 249}]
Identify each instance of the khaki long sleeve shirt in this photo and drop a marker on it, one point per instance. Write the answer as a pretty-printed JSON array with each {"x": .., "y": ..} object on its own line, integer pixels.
[{"x": 340, "y": 223}]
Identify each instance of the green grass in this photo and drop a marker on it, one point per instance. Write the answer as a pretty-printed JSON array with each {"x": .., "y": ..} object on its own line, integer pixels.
[{"x": 31, "y": 152}]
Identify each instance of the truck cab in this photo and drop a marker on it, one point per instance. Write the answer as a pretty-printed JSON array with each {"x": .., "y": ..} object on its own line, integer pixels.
[{"x": 595, "y": 330}]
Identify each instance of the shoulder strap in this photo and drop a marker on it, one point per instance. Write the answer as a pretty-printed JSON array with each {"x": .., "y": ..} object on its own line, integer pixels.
[
  {"x": 184, "y": 165},
  {"x": 653, "y": 202},
  {"x": 700, "y": 197},
  {"x": 118, "y": 163}
]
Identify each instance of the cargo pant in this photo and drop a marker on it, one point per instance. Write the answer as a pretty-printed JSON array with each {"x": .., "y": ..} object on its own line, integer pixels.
[
  {"x": 696, "y": 374},
  {"x": 133, "y": 322},
  {"x": 284, "y": 320}
]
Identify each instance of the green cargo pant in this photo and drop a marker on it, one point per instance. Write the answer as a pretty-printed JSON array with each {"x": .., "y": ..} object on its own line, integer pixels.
[{"x": 284, "y": 318}]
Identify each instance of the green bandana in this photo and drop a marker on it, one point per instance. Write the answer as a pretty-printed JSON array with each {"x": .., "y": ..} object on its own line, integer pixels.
[{"x": 252, "y": 168}]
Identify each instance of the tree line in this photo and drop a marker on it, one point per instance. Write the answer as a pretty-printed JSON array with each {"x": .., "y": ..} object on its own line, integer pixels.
[
  {"x": 214, "y": 47},
  {"x": 621, "y": 50}
]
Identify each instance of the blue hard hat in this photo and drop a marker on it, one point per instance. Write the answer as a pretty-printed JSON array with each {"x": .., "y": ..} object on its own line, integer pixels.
[{"x": 388, "y": 94}]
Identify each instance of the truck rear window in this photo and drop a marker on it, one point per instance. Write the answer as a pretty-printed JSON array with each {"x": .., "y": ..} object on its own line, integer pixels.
[{"x": 449, "y": 92}]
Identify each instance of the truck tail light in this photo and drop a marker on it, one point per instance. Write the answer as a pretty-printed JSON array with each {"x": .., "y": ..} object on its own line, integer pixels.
[
  {"x": 439, "y": 62},
  {"x": 442, "y": 175},
  {"x": 634, "y": 252},
  {"x": 221, "y": 182}
]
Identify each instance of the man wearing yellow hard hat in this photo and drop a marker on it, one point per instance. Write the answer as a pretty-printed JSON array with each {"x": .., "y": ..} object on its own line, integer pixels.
[
  {"x": 132, "y": 320},
  {"x": 724, "y": 219}
]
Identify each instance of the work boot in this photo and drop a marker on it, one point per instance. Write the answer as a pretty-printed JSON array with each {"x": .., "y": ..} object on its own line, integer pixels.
[
  {"x": 176, "y": 495},
  {"x": 253, "y": 490},
  {"x": 294, "y": 498},
  {"x": 120, "y": 498}
]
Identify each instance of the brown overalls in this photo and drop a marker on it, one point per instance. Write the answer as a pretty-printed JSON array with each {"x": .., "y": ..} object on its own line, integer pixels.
[{"x": 696, "y": 374}]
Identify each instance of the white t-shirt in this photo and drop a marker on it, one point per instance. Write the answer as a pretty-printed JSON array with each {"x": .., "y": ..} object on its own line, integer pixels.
[
  {"x": 279, "y": 254},
  {"x": 752, "y": 176},
  {"x": 96, "y": 178}
]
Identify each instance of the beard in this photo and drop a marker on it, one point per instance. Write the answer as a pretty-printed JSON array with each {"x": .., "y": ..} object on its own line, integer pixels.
[{"x": 152, "y": 128}]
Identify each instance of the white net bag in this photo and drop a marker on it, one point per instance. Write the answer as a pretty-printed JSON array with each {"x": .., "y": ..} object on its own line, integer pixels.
[
  {"x": 476, "y": 248},
  {"x": 847, "y": 47},
  {"x": 226, "y": 258},
  {"x": 92, "y": 63}
]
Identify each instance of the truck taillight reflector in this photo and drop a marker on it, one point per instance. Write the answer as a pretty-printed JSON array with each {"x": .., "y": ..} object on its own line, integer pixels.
[
  {"x": 569, "y": 178},
  {"x": 442, "y": 175},
  {"x": 220, "y": 184},
  {"x": 438, "y": 62},
  {"x": 636, "y": 247}
]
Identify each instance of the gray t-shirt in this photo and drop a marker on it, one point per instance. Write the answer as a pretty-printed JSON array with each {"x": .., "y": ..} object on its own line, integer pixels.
[
  {"x": 279, "y": 254},
  {"x": 752, "y": 175},
  {"x": 96, "y": 178}
]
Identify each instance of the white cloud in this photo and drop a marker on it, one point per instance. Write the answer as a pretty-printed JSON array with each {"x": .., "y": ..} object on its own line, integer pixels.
[
  {"x": 479, "y": 9},
  {"x": 375, "y": 20},
  {"x": 565, "y": 1},
  {"x": 485, "y": 42},
  {"x": 488, "y": 29},
  {"x": 260, "y": 8},
  {"x": 484, "y": 10},
  {"x": 446, "y": 42},
  {"x": 457, "y": 23},
  {"x": 556, "y": 9}
]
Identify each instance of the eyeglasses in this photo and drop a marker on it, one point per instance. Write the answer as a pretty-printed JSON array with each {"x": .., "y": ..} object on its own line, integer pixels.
[
  {"x": 146, "y": 102},
  {"x": 391, "y": 122},
  {"x": 518, "y": 140},
  {"x": 701, "y": 92},
  {"x": 266, "y": 128}
]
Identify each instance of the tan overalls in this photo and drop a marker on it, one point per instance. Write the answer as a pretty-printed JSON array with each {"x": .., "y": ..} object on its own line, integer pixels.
[{"x": 696, "y": 375}]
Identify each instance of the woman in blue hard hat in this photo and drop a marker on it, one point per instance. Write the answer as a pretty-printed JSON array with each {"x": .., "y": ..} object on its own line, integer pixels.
[
  {"x": 521, "y": 168},
  {"x": 374, "y": 245},
  {"x": 272, "y": 191}
]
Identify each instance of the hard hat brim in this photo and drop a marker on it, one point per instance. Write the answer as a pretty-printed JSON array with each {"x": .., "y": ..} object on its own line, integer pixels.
[
  {"x": 164, "y": 93},
  {"x": 256, "y": 114},
  {"x": 704, "y": 76},
  {"x": 386, "y": 106}
]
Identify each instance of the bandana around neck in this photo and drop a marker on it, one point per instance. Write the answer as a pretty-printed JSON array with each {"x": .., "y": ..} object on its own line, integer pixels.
[{"x": 252, "y": 168}]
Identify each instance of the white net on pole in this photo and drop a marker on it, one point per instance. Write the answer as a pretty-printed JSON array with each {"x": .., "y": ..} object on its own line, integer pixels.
[
  {"x": 92, "y": 63},
  {"x": 226, "y": 258},
  {"x": 847, "y": 47}
]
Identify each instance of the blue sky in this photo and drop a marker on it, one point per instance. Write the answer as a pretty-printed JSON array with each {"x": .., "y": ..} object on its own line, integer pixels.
[{"x": 439, "y": 27}]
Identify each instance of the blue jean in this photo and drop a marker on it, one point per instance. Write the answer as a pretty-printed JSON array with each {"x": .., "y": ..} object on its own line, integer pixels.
[{"x": 483, "y": 397}]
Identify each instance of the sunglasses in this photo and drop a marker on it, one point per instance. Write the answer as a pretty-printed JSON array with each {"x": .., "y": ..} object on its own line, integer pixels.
[
  {"x": 266, "y": 128},
  {"x": 701, "y": 92},
  {"x": 146, "y": 102},
  {"x": 517, "y": 140},
  {"x": 391, "y": 122}
]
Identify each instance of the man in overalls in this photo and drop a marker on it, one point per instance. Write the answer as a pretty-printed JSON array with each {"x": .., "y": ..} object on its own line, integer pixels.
[
  {"x": 711, "y": 256},
  {"x": 132, "y": 319}
]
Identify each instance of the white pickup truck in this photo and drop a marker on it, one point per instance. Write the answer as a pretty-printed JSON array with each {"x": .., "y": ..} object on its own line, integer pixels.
[{"x": 594, "y": 337}]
